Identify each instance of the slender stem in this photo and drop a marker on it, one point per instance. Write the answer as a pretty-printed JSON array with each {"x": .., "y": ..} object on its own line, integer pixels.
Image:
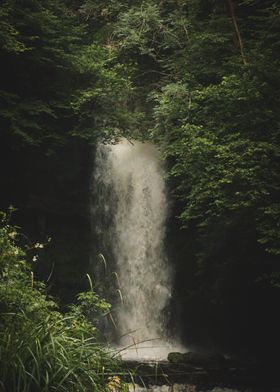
[{"x": 234, "y": 20}]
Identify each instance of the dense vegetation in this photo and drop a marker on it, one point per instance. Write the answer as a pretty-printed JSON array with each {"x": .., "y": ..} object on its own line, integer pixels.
[
  {"x": 201, "y": 79},
  {"x": 211, "y": 75},
  {"x": 42, "y": 349}
]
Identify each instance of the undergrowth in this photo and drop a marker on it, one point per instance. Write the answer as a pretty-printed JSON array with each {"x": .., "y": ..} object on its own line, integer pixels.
[{"x": 42, "y": 349}]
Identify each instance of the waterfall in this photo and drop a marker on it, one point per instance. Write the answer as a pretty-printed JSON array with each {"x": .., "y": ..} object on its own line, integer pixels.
[{"x": 132, "y": 211}]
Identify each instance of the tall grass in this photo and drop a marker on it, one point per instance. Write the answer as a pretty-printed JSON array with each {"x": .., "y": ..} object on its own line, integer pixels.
[
  {"x": 42, "y": 350},
  {"x": 47, "y": 357}
]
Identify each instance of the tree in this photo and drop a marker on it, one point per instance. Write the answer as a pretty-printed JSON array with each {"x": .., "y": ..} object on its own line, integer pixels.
[
  {"x": 56, "y": 82},
  {"x": 207, "y": 76}
]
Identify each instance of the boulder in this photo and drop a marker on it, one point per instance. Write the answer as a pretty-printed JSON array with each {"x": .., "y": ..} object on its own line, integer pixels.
[
  {"x": 196, "y": 359},
  {"x": 175, "y": 357}
]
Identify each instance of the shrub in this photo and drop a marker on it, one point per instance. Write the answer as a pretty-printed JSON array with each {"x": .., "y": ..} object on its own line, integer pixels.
[{"x": 42, "y": 349}]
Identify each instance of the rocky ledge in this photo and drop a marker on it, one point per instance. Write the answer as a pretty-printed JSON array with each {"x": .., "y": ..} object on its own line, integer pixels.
[{"x": 205, "y": 371}]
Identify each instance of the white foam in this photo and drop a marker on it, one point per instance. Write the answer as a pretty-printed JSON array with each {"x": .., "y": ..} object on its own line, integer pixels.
[{"x": 133, "y": 195}]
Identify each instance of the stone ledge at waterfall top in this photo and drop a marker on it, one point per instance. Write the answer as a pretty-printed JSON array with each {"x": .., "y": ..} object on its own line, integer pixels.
[{"x": 227, "y": 373}]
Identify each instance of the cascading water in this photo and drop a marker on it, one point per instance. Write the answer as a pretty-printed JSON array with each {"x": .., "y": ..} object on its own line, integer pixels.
[{"x": 132, "y": 209}]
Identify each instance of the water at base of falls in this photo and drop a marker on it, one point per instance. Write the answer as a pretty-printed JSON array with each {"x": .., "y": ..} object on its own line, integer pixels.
[
  {"x": 155, "y": 350},
  {"x": 131, "y": 198}
]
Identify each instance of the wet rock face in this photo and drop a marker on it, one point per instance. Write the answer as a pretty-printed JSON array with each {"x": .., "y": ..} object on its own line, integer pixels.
[
  {"x": 195, "y": 359},
  {"x": 204, "y": 371}
]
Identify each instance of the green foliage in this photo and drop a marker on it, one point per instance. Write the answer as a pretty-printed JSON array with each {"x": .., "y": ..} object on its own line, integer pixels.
[
  {"x": 42, "y": 349},
  {"x": 223, "y": 161},
  {"x": 218, "y": 122},
  {"x": 56, "y": 81},
  {"x": 207, "y": 79},
  {"x": 269, "y": 229},
  {"x": 9, "y": 39},
  {"x": 101, "y": 105},
  {"x": 139, "y": 27}
]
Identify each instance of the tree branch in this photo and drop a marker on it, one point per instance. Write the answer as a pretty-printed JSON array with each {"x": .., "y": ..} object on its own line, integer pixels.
[{"x": 234, "y": 20}]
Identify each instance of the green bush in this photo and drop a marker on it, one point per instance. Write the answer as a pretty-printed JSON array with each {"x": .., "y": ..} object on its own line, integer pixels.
[{"x": 42, "y": 349}]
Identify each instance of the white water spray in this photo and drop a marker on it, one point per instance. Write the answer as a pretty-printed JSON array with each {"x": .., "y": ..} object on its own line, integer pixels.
[{"x": 130, "y": 177}]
